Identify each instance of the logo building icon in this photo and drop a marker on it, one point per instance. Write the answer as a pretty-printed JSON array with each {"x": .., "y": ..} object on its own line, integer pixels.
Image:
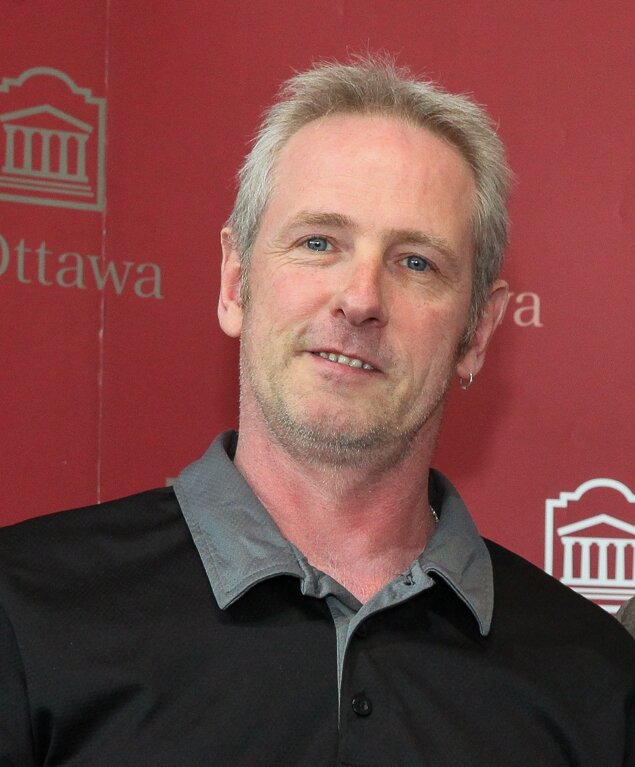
[
  {"x": 52, "y": 141},
  {"x": 590, "y": 541}
]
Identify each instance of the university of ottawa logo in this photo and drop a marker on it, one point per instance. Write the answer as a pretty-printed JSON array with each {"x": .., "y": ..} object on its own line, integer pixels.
[
  {"x": 590, "y": 541},
  {"x": 52, "y": 141}
]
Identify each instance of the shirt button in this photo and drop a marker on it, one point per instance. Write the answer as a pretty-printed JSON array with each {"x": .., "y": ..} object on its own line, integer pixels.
[{"x": 361, "y": 705}]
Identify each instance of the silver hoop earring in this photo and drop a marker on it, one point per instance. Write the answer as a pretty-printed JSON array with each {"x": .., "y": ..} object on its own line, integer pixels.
[{"x": 465, "y": 383}]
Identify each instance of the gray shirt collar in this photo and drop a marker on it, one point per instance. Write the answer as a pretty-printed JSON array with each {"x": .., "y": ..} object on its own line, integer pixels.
[{"x": 240, "y": 544}]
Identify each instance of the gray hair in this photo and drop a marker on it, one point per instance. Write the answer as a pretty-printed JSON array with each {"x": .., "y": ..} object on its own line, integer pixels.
[{"x": 374, "y": 85}]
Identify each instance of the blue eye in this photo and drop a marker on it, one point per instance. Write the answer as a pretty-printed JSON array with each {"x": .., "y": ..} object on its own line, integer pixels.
[
  {"x": 318, "y": 244},
  {"x": 417, "y": 264}
]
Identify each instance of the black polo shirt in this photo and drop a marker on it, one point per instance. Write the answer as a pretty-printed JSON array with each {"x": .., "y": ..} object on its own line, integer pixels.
[
  {"x": 118, "y": 647},
  {"x": 240, "y": 546}
]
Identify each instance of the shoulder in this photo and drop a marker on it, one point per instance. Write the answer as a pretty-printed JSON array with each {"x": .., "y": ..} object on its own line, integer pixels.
[
  {"x": 74, "y": 524},
  {"x": 531, "y": 604},
  {"x": 75, "y": 543},
  {"x": 95, "y": 569}
]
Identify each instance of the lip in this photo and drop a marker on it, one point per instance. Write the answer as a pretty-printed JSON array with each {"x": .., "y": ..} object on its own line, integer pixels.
[{"x": 352, "y": 355}]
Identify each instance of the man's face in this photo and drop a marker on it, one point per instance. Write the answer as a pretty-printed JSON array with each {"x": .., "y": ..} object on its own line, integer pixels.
[{"x": 359, "y": 289}]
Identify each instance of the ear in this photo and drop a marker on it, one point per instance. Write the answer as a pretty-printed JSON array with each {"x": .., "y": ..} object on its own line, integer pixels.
[
  {"x": 474, "y": 356},
  {"x": 230, "y": 311}
]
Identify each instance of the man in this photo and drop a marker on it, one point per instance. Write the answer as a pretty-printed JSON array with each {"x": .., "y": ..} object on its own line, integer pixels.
[
  {"x": 311, "y": 593},
  {"x": 626, "y": 615}
]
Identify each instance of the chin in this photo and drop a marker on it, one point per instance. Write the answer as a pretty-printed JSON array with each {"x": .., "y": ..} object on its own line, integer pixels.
[{"x": 331, "y": 443}]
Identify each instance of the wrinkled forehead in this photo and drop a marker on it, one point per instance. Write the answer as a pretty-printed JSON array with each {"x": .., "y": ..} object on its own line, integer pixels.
[
  {"x": 375, "y": 169},
  {"x": 335, "y": 129}
]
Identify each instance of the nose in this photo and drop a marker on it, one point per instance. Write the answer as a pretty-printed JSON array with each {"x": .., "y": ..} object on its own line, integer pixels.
[{"x": 360, "y": 296}]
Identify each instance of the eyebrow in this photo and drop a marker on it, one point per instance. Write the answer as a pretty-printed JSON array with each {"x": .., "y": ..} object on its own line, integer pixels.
[
  {"x": 417, "y": 237},
  {"x": 309, "y": 218},
  {"x": 341, "y": 221}
]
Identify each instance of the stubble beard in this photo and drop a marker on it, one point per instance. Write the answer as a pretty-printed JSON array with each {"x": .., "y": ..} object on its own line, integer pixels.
[{"x": 381, "y": 443}]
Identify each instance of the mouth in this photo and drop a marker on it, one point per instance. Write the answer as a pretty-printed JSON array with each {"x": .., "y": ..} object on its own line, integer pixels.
[{"x": 344, "y": 359}]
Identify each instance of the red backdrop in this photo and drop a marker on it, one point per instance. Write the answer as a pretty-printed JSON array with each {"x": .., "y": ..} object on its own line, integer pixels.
[{"x": 115, "y": 374}]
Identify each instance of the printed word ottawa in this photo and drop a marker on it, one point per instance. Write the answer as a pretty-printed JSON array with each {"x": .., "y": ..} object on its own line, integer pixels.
[{"x": 41, "y": 266}]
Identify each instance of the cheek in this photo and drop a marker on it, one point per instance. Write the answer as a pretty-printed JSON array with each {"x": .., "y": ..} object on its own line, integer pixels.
[
  {"x": 294, "y": 295},
  {"x": 427, "y": 335}
]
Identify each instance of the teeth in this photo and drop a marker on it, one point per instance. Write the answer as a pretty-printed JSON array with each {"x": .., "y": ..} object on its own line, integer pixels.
[{"x": 342, "y": 359}]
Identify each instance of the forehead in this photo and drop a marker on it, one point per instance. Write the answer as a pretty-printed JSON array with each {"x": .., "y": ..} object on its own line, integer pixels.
[
  {"x": 376, "y": 170},
  {"x": 335, "y": 129}
]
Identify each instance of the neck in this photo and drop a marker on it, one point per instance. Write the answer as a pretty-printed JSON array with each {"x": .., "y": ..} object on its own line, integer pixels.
[{"x": 361, "y": 524}]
